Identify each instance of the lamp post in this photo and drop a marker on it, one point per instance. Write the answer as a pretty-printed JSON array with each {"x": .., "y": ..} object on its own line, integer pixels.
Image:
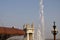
[{"x": 54, "y": 31}]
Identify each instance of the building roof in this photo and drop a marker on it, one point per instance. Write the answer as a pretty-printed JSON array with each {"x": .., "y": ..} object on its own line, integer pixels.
[{"x": 11, "y": 31}]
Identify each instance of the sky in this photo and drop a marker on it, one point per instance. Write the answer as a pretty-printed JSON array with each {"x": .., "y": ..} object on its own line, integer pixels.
[{"x": 19, "y": 12}]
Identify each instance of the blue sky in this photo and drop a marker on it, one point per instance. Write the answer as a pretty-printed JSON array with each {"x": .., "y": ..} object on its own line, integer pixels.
[{"x": 19, "y": 12}]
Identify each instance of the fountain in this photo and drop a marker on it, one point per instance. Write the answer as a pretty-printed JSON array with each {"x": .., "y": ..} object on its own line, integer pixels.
[
  {"x": 42, "y": 18},
  {"x": 40, "y": 33}
]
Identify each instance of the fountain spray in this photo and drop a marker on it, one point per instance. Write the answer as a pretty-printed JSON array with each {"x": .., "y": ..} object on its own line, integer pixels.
[
  {"x": 40, "y": 33},
  {"x": 42, "y": 18}
]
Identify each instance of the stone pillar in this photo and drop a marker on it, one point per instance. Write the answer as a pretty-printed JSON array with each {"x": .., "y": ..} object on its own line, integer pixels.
[
  {"x": 27, "y": 36},
  {"x": 29, "y": 30}
]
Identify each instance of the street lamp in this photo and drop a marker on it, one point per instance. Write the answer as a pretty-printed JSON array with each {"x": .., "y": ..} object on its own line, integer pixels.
[{"x": 54, "y": 31}]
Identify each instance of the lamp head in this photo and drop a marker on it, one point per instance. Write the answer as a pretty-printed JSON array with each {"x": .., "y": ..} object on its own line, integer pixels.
[{"x": 54, "y": 26}]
